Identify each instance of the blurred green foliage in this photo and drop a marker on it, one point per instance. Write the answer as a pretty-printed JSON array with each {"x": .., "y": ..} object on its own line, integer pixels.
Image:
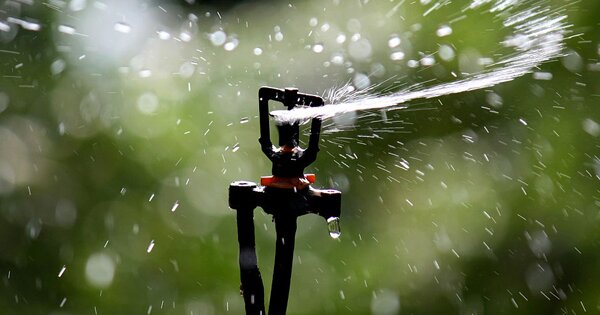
[{"x": 122, "y": 124}]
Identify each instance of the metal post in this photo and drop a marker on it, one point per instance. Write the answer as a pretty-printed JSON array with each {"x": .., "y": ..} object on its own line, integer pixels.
[
  {"x": 285, "y": 227},
  {"x": 252, "y": 285}
]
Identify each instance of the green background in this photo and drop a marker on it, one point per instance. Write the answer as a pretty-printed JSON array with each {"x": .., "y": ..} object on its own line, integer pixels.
[{"x": 103, "y": 132}]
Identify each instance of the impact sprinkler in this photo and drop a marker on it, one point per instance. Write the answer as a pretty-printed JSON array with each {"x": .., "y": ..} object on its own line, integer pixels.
[{"x": 285, "y": 195}]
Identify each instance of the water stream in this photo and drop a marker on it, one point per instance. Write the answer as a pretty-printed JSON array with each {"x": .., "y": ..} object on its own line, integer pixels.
[{"x": 537, "y": 37}]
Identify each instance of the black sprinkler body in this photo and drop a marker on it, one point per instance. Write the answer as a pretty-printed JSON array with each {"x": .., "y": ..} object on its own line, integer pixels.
[{"x": 286, "y": 195}]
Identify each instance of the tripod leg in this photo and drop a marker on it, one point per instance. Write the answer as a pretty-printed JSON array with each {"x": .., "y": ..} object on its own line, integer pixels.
[
  {"x": 285, "y": 226},
  {"x": 252, "y": 286}
]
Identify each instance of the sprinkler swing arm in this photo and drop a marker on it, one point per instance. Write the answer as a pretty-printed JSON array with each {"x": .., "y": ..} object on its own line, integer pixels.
[{"x": 286, "y": 195}]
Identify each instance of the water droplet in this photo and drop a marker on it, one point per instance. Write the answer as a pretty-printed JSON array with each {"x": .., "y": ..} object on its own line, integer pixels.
[
  {"x": 385, "y": 302},
  {"x": 257, "y": 51},
  {"x": 361, "y": 81},
  {"x": 231, "y": 44},
  {"x": 279, "y": 36},
  {"x": 150, "y": 246},
  {"x": 33, "y": 228},
  {"x": 427, "y": 61},
  {"x": 360, "y": 49},
  {"x": 57, "y": 66},
  {"x": 353, "y": 26},
  {"x": 244, "y": 120},
  {"x": 66, "y": 29},
  {"x": 377, "y": 70},
  {"x": 313, "y": 22},
  {"x": 494, "y": 100},
  {"x": 187, "y": 69},
  {"x": 122, "y": 27},
  {"x": 65, "y": 213},
  {"x": 185, "y": 36},
  {"x": 544, "y": 76},
  {"x": 337, "y": 59},
  {"x": 318, "y": 48},
  {"x": 340, "y": 39},
  {"x": 62, "y": 271},
  {"x": 217, "y": 38},
  {"x": 163, "y": 35},
  {"x": 444, "y": 30},
  {"x": 145, "y": 73},
  {"x": 4, "y": 27},
  {"x": 394, "y": 41},
  {"x": 4, "y": 100},
  {"x": 61, "y": 129},
  {"x": 28, "y": 25},
  {"x": 77, "y": 5},
  {"x": 446, "y": 53},
  {"x": 397, "y": 55},
  {"x": 175, "y": 206},
  {"x": 100, "y": 270},
  {"x": 591, "y": 127},
  {"x": 147, "y": 103},
  {"x": 333, "y": 225},
  {"x": 412, "y": 63},
  {"x": 573, "y": 61},
  {"x": 539, "y": 277}
]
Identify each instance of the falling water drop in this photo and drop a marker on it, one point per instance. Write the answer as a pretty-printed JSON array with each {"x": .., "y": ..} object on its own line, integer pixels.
[
  {"x": 164, "y": 35},
  {"x": 145, "y": 73},
  {"x": 398, "y": 55},
  {"x": 150, "y": 246},
  {"x": 446, "y": 53},
  {"x": 77, "y": 5},
  {"x": 217, "y": 38},
  {"x": 4, "y": 27},
  {"x": 279, "y": 36},
  {"x": 444, "y": 30},
  {"x": 62, "y": 271},
  {"x": 394, "y": 41},
  {"x": 333, "y": 225},
  {"x": 175, "y": 206},
  {"x": 66, "y": 29},
  {"x": 122, "y": 27},
  {"x": 231, "y": 44},
  {"x": 318, "y": 48}
]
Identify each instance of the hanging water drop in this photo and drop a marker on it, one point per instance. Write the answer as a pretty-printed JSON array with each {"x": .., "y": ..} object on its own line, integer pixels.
[{"x": 333, "y": 225}]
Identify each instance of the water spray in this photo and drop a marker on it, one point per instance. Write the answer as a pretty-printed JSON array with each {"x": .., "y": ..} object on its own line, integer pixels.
[{"x": 286, "y": 195}]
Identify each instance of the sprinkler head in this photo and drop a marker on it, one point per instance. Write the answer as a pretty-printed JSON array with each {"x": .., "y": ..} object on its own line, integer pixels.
[{"x": 289, "y": 160}]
